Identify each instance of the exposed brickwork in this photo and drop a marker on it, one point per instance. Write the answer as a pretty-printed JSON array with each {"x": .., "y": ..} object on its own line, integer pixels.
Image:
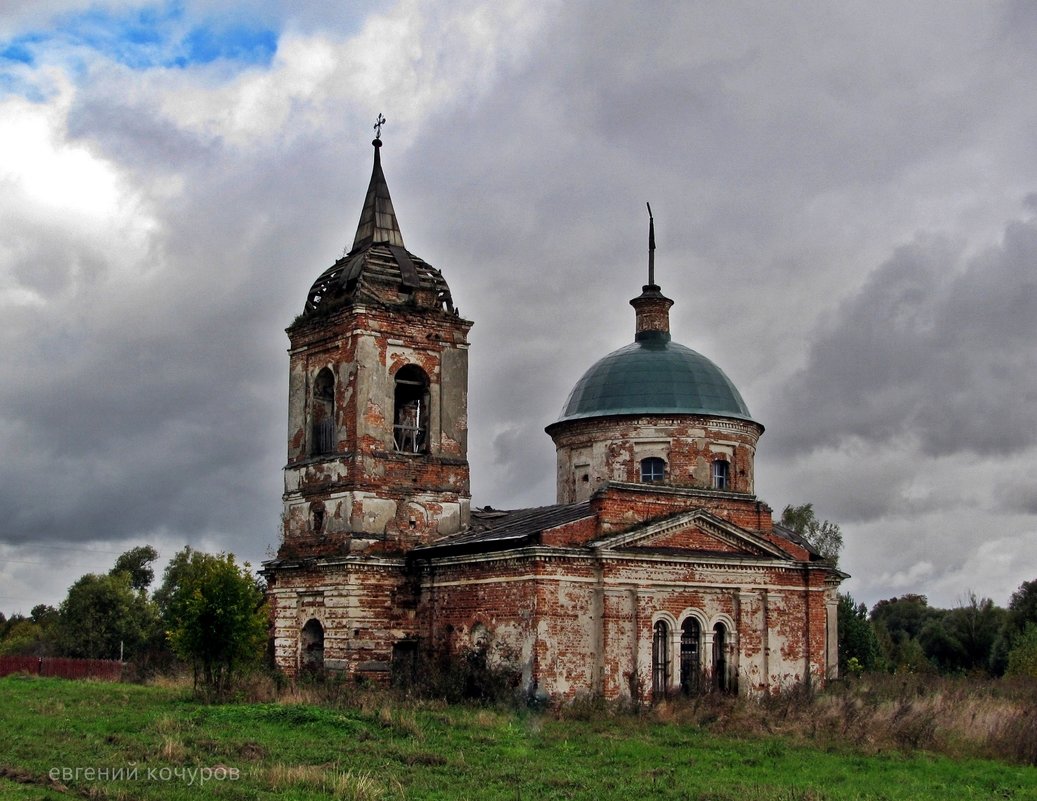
[
  {"x": 595, "y": 451},
  {"x": 597, "y": 605},
  {"x": 652, "y": 311}
]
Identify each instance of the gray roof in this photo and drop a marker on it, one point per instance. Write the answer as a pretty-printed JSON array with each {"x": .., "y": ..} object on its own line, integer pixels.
[
  {"x": 497, "y": 529},
  {"x": 792, "y": 536},
  {"x": 377, "y": 220}
]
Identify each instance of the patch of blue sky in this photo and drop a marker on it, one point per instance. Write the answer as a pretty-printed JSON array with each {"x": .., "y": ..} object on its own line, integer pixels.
[
  {"x": 154, "y": 36},
  {"x": 19, "y": 50},
  {"x": 236, "y": 43}
]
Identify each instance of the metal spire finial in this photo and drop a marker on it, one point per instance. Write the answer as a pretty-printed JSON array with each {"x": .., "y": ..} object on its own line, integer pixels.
[
  {"x": 651, "y": 246},
  {"x": 378, "y": 126}
]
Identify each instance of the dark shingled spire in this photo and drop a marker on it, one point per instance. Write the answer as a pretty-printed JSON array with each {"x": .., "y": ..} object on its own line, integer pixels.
[{"x": 378, "y": 220}]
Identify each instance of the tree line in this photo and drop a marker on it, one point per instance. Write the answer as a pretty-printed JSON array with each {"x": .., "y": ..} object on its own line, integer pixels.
[
  {"x": 906, "y": 634},
  {"x": 207, "y": 612}
]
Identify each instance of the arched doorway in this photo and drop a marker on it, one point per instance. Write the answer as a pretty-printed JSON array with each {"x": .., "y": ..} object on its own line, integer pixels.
[
  {"x": 311, "y": 640},
  {"x": 660, "y": 660},
  {"x": 691, "y": 665}
]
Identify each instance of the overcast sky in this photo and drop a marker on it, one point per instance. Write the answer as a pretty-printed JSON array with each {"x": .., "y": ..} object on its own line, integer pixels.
[{"x": 846, "y": 210}]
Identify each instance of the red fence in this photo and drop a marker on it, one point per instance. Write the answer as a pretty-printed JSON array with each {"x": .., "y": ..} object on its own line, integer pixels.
[{"x": 107, "y": 669}]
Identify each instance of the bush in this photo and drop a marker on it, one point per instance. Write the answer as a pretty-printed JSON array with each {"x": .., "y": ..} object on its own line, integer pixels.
[
  {"x": 476, "y": 674},
  {"x": 1022, "y": 659}
]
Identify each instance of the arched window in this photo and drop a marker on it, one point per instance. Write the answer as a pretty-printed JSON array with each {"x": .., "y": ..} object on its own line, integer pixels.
[
  {"x": 691, "y": 669},
  {"x": 410, "y": 410},
  {"x": 653, "y": 470},
  {"x": 721, "y": 474},
  {"x": 660, "y": 659},
  {"x": 322, "y": 412},
  {"x": 312, "y": 641},
  {"x": 721, "y": 680}
]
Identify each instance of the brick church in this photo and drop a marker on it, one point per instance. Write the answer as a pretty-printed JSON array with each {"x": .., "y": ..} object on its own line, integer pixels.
[{"x": 657, "y": 571}]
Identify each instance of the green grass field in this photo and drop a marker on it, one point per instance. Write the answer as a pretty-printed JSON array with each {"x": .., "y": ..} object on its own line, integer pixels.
[{"x": 64, "y": 739}]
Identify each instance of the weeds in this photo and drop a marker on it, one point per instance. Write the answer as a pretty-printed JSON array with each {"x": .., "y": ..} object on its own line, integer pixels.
[
  {"x": 324, "y": 778},
  {"x": 870, "y": 713}
]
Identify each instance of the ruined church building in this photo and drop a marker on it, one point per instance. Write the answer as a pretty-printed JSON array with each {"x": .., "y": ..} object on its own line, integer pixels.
[{"x": 657, "y": 571}]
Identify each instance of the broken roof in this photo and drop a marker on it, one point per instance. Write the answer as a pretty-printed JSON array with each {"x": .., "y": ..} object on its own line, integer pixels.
[
  {"x": 498, "y": 529},
  {"x": 378, "y": 268}
]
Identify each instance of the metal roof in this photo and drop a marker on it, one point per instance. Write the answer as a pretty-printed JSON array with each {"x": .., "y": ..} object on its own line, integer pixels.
[
  {"x": 654, "y": 375},
  {"x": 496, "y": 529}
]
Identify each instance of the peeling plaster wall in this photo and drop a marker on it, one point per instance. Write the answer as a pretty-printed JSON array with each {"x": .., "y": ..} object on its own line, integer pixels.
[
  {"x": 575, "y": 624},
  {"x": 364, "y": 493},
  {"x": 595, "y": 451},
  {"x": 364, "y": 606}
]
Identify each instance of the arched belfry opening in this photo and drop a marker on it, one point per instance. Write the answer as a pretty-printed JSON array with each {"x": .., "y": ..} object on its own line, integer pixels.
[
  {"x": 411, "y": 410},
  {"x": 322, "y": 413}
]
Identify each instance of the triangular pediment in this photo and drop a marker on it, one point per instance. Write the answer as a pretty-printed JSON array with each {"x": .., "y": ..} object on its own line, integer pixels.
[{"x": 693, "y": 531}]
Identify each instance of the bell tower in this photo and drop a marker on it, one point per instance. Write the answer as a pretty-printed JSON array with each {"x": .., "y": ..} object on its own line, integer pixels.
[{"x": 378, "y": 399}]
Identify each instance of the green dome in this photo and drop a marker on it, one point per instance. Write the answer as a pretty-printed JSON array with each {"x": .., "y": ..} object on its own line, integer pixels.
[{"x": 654, "y": 375}]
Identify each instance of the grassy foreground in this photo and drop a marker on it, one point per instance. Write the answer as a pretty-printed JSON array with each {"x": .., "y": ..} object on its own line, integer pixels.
[{"x": 64, "y": 739}]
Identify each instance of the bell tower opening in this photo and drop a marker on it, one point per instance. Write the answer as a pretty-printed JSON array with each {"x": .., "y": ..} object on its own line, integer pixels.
[
  {"x": 322, "y": 411},
  {"x": 411, "y": 410}
]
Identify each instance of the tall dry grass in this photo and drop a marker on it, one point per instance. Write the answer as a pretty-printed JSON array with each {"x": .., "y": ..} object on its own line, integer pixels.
[{"x": 958, "y": 717}]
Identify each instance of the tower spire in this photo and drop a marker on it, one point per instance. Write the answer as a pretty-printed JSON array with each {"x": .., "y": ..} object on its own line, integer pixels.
[
  {"x": 378, "y": 222},
  {"x": 651, "y": 246}
]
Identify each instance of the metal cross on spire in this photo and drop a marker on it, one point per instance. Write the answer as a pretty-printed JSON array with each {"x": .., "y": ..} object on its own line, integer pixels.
[{"x": 378, "y": 126}]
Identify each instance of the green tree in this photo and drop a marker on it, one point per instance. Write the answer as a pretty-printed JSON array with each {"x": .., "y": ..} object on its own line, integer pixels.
[
  {"x": 215, "y": 616},
  {"x": 30, "y": 636},
  {"x": 824, "y": 535},
  {"x": 104, "y": 617},
  {"x": 44, "y": 615},
  {"x": 137, "y": 562},
  {"x": 898, "y": 623},
  {"x": 974, "y": 625},
  {"x": 1022, "y": 659},
  {"x": 176, "y": 571},
  {"x": 1021, "y": 613},
  {"x": 857, "y": 638},
  {"x": 1022, "y": 606}
]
